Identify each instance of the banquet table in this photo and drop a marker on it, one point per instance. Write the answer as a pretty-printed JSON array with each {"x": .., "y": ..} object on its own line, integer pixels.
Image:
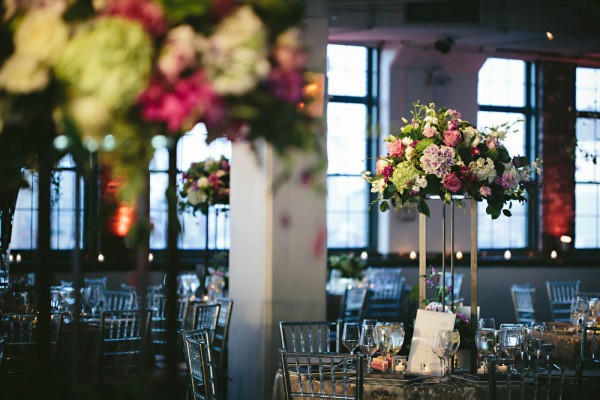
[{"x": 462, "y": 387}]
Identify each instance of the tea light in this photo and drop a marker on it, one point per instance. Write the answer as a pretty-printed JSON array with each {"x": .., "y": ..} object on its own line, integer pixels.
[
  {"x": 400, "y": 368},
  {"x": 481, "y": 370},
  {"x": 502, "y": 368}
]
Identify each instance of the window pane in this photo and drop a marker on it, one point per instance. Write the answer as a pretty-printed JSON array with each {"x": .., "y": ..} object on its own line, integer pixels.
[
  {"x": 587, "y": 203},
  {"x": 346, "y": 138},
  {"x": 588, "y": 89},
  {"x": 587, "y": 134},
  {"x": 502, "y": 83},
  {"x": 347, "y": 212},
  {"x": 515, "y": 139},
  {"x": 346, "y": 70},
  {"x": 504, "y": 232}
]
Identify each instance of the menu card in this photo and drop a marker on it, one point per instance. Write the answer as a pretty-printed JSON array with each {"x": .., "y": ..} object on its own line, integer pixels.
[{"x": 421, "y": 359}]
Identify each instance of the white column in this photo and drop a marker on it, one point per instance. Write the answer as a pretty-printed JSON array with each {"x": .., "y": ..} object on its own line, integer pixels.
[{"x": 277, "y": 266}]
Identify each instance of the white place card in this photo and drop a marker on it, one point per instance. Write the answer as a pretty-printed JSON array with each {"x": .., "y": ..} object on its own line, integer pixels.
[{"x": 421, "y": 359}]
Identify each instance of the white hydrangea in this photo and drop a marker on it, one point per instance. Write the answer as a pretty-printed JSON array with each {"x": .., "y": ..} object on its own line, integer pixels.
[
  {"x": 203, "y": 182},
  {"x": 194, "y": 197},
  {"x": 378, "y": 185},
  {"x": 420, "y": 183},
  {"x": 431, "y": 120},
  {"x": 470, "y": 134},
  {"x": 483, "y": 169}
]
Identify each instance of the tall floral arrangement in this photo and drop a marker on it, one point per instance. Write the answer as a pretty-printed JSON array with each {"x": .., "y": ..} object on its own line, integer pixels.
[
  {"x": 437, "y": 153},
  {"x": 204, "y": 184},
  {"x": 112, "y": 74}
]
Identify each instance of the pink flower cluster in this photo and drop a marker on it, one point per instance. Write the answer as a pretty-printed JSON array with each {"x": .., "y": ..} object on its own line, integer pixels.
[
  {"x": 147, "y": 12},
  {"x": 437, "y": 160}
]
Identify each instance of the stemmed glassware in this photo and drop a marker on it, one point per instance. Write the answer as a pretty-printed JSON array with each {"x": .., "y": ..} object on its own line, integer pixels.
[
  {"x": 367, "y": 343},
  {"x": 512, "y": 340},
  {"x": 579, "y": 310},
  {"x": 444, "y": 344},
  {"x": 548, "y": 340},
  {"x": 382, "y": 339},
  {"x": 351, "y": 336},
  {"x": 486, "y": 323},
  {"x": 485, "y": 340},
  {"x": 396, "y": 337}
]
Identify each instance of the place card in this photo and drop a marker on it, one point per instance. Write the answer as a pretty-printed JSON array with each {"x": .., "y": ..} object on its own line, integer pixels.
[{"x": 421, "y": 359}]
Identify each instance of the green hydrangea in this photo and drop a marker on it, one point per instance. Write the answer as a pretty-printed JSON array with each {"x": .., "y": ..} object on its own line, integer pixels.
[
  {"x": 423, "y": 144},
  {"x": 404, "y": 173},
  {"x": 112, "y": 61}
]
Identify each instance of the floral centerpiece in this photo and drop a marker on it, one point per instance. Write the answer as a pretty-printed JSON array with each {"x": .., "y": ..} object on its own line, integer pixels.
[
  {"x": 349, "y": 264},
  {"x": 205, "y": 183},
  {"x": 110, "y": 75},
  {"x": 439, "y": 154}
]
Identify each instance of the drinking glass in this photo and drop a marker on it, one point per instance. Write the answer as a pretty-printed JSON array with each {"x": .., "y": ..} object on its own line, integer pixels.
[
  {"x": 579, "y": 310},
  {"x": 382, "y": 339},
  {"x": 486, "y": 323},
  {"x": 444, "y": 344},
  {"x": 548, "y": 340},
  {"x": 396, "y": 337},
  {"x": 511, "y": 341},
  {"x": 351, "y": 336},
  {"x": 485, "y": 340},
  {"x": 367, "y": 343}
]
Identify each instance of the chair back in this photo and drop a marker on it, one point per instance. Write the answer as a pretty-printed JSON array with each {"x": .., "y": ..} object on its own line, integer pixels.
[
  {"x": 220, "y": 342},
  {"x": 201, "y": 372},
  {"x": 18, "y": 331},
  {"x": 330, "y": 376},
  {"x": 311, "y": 336},
  {"x": 384, "y": 297},
  {"x": 535, "y": 379},
  {"x": 523, "y": 297},
  {"x": 99, "y": 282},
  {"x": 122, "y": 337},
  {"x": 158, "y": 325},
  {"x": 353, "y": 304},
  {"x": 118, "y": 300},
  {"x": 561, "y": 295},
  {"x": 206, "y": 316}
]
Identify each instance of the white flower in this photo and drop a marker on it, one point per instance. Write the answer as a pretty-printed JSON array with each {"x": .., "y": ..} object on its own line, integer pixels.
[
  {"x": 220, "y": 173},
  {"x": 91, "y": 115},
  {"x": 469, "y": 134},
  {"x": 431, "y": 120},
  {"x": 409, "y": 153},
  {"x": 407, "y": 141},
  {"x": 203, "y": 182},
  {"x": 41, "y": 35},
  {"x": 483, "y": 169},
  {"x": 379, "y": 186},
  {"x": 434, "y": 306},
  {"x": 194, "y": 197},
  {"x": 23, "y": 74}
]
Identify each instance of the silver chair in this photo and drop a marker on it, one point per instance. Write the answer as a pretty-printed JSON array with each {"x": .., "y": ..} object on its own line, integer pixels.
[
  {"x": 18, "y": 331},
  {"x": 322, "y": 376},
  {"x": 100, "y": 282},
  {"x": 122, "y": 337},
  {"x": 384, "y": 298},
  {"x": 201, "y": 370},
  {"x": 158, "y": 325},
  {"x": 117, "y": 300},
  {"x": 220, "y": 341},
  {"x": 353, "y": 304},
  {"x": 311, "y": 336},
  {"x": 561, "y": 295},
  {"x": 523, "y": 297},
  {"x": 535, "y": 379},
  {"x": 206, "y": 316}
]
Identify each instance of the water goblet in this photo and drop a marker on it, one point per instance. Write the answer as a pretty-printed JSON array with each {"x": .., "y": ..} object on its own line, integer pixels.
[
  {"x": 444, "y": 344},
  {"x": 367, "y": 343},
  {"x": 548, "y": 340},
  {"x": 351, "y": 336},
  {"x": 579, "y": 310},
  {"x": 397, "y": 334},
  {"x": 486, "y": 323},
  {"x": 485, "y": 340}
]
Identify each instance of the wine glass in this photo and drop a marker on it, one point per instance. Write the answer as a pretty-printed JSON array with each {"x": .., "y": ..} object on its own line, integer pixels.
[
  {"x": 485, "y": 340},
  {"x": 548, "y": 340},
  {"x": 512, "y": 340},
  {"x": 486, "y": 323},
  {"x": 351, "y": 336},
  {"x": 92, "y": 298},
  {"x": 367, "y": 343},
  {"x": 396, "y": 337},
  {"x": 579, "y": 310},
  {"x": 444, "y": 344},
  {"x": 382, "y": 339}
]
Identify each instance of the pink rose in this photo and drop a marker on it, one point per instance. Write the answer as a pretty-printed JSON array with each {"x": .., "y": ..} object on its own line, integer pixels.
[
  {"x": 452, "y": 183},
  {"x": 379, "y": 165},
  {"x": 396, "y": 149},
  {"x": 485, "y": 191},
  {"x": 452, "y": 138},
  {"x": 429, "y": 131}
]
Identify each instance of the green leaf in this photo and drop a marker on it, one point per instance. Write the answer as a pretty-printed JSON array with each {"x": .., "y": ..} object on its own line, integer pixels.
[
  {"x": 507, "y": 213},
  {"x": 384, "y": 206},
  {"x": 414, "y": 293},
  {"x": 423, "y": 208}
]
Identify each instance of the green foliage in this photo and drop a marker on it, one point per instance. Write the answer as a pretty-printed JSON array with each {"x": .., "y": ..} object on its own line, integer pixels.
[{"x": 351, "y": 265}]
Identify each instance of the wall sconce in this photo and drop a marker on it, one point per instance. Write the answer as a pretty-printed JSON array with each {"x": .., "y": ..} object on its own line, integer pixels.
[
  {"x": 413, "y": 255},
  {"x": 100, "y": 257},
  {"x": 507, "y": 255},
  {"x": 459, "y": 255}
]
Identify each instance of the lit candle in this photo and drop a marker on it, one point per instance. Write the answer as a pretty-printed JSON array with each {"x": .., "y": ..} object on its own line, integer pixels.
[
  {"x": 502, "y": 368},
  {"x": 18, "y": 258},
  {"x": 459, "y": 255},
  {"x": 400, "y": 368},
  {"x": 553, "y": 254},
  {"x": 481, "y": 370}
]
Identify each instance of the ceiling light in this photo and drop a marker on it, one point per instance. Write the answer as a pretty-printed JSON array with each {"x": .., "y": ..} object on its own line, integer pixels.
[{"x": 549, "y": 35}]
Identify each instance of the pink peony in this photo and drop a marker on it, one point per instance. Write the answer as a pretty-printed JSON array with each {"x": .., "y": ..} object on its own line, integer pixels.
[
  {"x": 396, "y": 149},
  {"x": 452, "y": 183},
  {"x": 452, "y": 138},
  {"x": 146, "y": 12},
  {"x": 485, "y": 191}
]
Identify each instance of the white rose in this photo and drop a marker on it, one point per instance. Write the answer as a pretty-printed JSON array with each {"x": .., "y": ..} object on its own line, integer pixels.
[
  {"x": 42, "y": 35},
  {"x": 407, "y": 141},
  {"x": 203, "y": 182},
  {"x": 23, "y": 74},
  {"x": 194, "y": 197}
]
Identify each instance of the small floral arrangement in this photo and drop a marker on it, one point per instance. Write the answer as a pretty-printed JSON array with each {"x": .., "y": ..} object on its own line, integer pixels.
[
  {"x": 351, "y": 265},
  {"x": 436, "y": 304},
  {"x": 439, "y": 154},
  {"x": 206, "y": 183}
]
